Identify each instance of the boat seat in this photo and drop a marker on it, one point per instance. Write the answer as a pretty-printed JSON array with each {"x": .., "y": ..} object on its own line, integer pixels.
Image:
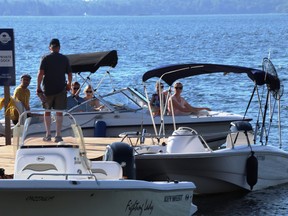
[
  {"x": 239, "y": 138},
  {"x": 106, "y": 170},
  {"x": 51, "y": 160},
  {"x": 241, "y": 134}
]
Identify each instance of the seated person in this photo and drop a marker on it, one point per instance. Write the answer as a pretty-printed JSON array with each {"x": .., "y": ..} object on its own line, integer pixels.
[
  {"x": 89, "y": 94},
  {"x": 155, "y": 99},
  {"x": 22, "y": 94},
  {"x": 179, "y": 105},
  {"x": 74, "y": 99}
]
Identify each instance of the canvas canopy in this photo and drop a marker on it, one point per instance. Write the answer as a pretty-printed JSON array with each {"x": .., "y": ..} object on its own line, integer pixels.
[
  {"x": 91, "y": 62},
  {"x": 171, "y": 73}
]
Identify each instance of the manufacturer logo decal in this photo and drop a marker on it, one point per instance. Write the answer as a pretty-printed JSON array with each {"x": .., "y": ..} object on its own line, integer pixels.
[{"x": 40, "y": 158}]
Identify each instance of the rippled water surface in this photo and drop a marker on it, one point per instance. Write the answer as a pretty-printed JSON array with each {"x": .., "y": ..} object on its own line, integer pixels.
[{"x": 144, "y": 43}]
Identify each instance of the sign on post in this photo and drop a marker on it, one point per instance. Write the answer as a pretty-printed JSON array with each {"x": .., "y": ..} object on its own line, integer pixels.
[
  {"x": 7, "y": 58},
  {"x": 7, "y": 72}
]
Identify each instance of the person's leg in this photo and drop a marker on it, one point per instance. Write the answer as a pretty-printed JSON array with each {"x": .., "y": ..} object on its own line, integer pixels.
[
  {"x": 47, "y": 122},
  {"x": 60, "y": 104},
  {"x": 47, "y": 117},
  {"x": 59, "y": 121}
]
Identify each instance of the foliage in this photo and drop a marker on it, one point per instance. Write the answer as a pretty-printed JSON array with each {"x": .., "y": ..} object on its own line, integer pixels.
[{"x": 139, "y": 7}]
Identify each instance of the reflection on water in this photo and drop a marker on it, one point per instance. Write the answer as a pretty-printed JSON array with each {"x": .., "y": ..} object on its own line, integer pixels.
[{"x": 271, "y": 201}]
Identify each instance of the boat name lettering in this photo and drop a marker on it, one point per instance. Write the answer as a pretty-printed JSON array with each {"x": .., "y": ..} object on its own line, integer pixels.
[
  {"x": 40, "y": 198},
  {"x": 138, "y": 206},
  {"x": 174, "y": 198}
]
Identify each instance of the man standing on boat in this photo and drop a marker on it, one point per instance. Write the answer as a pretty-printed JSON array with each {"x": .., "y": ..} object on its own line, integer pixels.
[{"x": 52, "y": 75}]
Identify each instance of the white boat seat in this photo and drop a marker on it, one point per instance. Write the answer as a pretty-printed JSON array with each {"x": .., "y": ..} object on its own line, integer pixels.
[
  {"x": 239, "y": 138},
  {"x": 50, "y": 160},
  {"x": 106, "y": 170}
]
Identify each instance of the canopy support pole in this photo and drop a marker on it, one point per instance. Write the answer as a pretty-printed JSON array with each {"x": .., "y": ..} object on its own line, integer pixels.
[{"x": 7, "y": 117}]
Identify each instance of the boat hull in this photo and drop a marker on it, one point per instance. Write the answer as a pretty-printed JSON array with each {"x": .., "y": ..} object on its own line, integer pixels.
[
  {"x": 218, "y": 171},
  {"x": 74, "y": 198}
]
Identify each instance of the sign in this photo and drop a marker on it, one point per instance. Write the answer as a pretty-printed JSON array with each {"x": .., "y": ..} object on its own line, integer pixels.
[{"x": 7, "y": 58}]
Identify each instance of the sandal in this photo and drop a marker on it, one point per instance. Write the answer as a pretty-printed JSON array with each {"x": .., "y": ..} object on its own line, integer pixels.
[
  {"x": 58, "y": 139},
  {"x": 47, "y": 138}
]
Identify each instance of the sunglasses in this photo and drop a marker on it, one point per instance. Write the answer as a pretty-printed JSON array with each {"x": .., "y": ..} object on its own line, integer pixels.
[
  {"x": 180, "y": 88},
  {"x": 88, "y": 91},
  {"x": 75, "y": 88}
]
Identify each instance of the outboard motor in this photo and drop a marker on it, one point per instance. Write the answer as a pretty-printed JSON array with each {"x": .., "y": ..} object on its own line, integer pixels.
[{"x": 122, "y": 153}]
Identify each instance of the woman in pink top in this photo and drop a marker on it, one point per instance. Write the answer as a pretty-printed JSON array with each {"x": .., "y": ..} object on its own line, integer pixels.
[{"x": 179, "y": 106}]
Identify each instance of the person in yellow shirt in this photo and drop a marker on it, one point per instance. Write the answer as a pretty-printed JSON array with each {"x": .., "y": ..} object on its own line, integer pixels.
[{"x": 22, "y": 94}]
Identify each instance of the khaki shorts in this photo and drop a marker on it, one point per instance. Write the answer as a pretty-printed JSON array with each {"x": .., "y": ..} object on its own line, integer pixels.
[{"x": 57, "y": 101}]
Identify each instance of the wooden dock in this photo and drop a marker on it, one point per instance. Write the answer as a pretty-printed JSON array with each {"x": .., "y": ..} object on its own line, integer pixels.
[{"x": 95, "y": 148}]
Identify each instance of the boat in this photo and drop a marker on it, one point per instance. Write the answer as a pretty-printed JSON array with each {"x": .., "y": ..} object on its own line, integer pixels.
[
  {"x": 58, "y": 178},
  {"x": 246, "y": 161},
  {"x": 127, "y": 109}
]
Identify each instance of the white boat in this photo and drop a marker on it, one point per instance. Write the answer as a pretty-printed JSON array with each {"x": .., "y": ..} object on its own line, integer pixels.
[
  {"x": 246, "y": 161},
  {"x": 126, "y": 109},
  {"x": 58, "y": 179}
]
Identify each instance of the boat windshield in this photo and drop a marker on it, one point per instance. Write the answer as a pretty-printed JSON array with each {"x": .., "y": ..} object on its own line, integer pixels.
[
  {"x": 122, "y": 100},
  {"x": 128, "y": 99},
  {"x": 95, "y": 104}
]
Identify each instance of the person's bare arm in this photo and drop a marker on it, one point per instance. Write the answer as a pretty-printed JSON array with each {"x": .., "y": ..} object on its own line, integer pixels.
[
  {"x": 39, "y": 80},
  {"x": 68, "y": 87},
  {"x": 195, "y": 109}
]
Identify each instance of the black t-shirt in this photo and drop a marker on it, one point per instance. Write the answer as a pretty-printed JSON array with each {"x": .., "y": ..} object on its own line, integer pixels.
[{"x": 55, "y": 66}]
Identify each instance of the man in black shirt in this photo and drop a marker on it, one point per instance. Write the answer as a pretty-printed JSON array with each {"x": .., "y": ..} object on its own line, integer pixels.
[{"x": 52, "y": 75}]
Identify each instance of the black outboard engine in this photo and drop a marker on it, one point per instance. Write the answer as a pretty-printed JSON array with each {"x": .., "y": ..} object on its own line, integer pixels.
[{"x": 122, "y": 153}]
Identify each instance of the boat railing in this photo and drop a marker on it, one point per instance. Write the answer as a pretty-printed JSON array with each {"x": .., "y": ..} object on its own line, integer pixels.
[
  {"x": 186, "y": 140},
  {"x": 66, "y": 175},
  {"x": 135, "y": 138}
]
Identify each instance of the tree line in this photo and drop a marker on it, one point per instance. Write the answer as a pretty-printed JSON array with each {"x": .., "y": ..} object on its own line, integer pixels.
[{"x": 138, "y": 7}]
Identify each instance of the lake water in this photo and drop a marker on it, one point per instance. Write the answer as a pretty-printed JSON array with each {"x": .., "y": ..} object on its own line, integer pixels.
[{"x": 144, "y": 43}]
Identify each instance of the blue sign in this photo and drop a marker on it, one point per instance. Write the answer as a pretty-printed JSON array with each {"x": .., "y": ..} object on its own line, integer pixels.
[{"x": 7, "y": 58}]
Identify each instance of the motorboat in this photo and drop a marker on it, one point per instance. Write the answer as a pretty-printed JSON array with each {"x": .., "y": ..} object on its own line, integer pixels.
[
  {"x": 127, "y": 109},
  {"x": 58, "y": 178},
  {"x": 247, "y": 160}
]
